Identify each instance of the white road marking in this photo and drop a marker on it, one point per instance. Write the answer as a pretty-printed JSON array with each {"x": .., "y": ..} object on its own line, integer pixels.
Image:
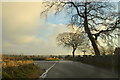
[{"x": 45, "y": 73}]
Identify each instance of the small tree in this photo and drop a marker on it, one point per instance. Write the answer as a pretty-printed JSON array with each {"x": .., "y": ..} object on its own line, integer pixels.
[{"x": 73, "y": 40}]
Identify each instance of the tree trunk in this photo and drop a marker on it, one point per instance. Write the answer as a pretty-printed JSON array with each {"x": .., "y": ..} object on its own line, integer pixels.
[
  {"x": 87, "y": 30},
  {"x": 73, "y": 52}
]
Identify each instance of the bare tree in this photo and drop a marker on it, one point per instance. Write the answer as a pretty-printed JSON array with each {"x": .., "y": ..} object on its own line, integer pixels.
[
  {"x": 88, "y": 15},
  {"x": 73, "y": 40}
]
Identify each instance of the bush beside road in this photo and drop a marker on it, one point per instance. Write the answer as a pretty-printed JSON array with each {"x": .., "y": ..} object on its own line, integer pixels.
[
  {"x": 15, "y": 68},
  {"x": 24, "y": 71}
]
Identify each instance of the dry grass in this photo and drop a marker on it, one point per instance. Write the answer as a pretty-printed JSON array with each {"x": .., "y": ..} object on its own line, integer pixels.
[{"x": 13, "y": 61}]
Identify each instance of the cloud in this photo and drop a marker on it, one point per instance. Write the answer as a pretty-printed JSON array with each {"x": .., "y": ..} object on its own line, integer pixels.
[
  {"x": 24, "y": 31},
  {"x": 0, "y": 27},
  {"x": 21, "y": 21},
  {"x": 7, "y": 44}
]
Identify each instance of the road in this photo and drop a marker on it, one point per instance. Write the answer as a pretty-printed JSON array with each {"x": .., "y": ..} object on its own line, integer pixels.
[{"x": 70, "y": 69}]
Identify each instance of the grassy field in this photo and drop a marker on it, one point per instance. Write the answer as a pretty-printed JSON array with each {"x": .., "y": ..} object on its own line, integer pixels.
[
  {"x": 23, "y": 72},
  {"x": 18, "y": 68}
]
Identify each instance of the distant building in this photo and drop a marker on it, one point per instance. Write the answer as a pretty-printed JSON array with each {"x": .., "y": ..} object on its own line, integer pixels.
[{"x": 117, "y": 51}]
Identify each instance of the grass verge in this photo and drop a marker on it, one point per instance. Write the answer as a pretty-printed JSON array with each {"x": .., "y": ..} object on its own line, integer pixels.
[{"x": 23, "y": 72}]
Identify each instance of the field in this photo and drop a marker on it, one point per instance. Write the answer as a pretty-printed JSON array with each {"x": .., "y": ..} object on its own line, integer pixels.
[{"x": 15, "y": 69}]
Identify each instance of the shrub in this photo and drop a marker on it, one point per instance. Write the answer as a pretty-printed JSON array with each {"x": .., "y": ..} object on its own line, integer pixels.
[{"x": 23, "y": 71}]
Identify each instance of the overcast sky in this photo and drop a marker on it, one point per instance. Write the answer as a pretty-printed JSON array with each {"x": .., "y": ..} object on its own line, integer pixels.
[{"x": 24, "y": 31}]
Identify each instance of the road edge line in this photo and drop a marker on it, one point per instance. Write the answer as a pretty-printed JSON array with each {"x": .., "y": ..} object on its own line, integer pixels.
[{"x": 45, "y": 73}]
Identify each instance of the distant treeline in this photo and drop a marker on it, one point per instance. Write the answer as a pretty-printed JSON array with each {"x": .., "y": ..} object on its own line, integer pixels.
[
  {"x": 28, "y": 57},
  {"x": 22, "y": 57}
]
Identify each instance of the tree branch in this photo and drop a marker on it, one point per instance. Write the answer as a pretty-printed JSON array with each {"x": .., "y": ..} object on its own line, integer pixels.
[
  {"x": 76, "y": 8},
  {"x": 107, "y": 30}
]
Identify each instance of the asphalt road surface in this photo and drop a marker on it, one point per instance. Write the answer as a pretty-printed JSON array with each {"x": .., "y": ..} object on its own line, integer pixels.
[{"x": 70, "y": 69}]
